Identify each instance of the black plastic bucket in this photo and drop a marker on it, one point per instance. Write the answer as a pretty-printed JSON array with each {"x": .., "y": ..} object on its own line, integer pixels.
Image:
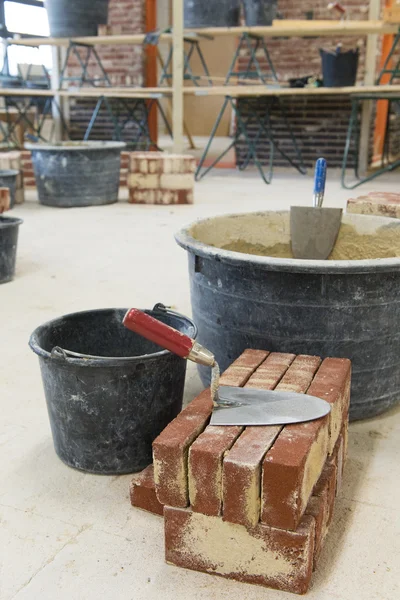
[
  {"x": 109, "y": 400},
  {"x": 259, "y": 12},
  {"x": 8, "y": 179},
  {"x": 339, "y": 69},
  {"x": 9, "y": 228},
  {"x": 73, "y": 18},
  {"x": 224, "y": 13},
  {"x": 337, "y": 308},
  {"x": 75, "y": 174}
]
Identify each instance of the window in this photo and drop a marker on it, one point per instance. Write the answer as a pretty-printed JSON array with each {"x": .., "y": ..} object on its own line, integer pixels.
[{"x": 26, "y": 17}]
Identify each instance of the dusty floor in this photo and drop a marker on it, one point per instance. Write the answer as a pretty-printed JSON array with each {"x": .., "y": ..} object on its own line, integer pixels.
[{"x": 64, "y": 534}]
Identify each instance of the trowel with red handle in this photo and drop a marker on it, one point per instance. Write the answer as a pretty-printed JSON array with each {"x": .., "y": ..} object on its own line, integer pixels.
[{"x": 232, "y": 405}]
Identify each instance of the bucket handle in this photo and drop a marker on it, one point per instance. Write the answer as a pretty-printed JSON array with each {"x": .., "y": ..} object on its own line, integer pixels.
[{"x": 58, "y": 352}]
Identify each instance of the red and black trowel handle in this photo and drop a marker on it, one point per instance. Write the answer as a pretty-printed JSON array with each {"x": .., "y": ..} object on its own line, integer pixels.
[{"x": 167, "y": 337}]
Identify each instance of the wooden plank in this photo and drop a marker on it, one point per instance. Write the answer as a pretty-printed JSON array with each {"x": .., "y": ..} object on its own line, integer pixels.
[
  {"x": 260, "y": 90},
  {"x": 369, "y": 79},
  {"x": 177, "y": 77},
  {"x": 289, "y": 28}
]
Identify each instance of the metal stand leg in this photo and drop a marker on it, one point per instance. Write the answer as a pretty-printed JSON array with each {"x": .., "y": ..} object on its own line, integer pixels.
[
  {"x": 193, "y": 48},
  {"x": 246, "y": 42},
  {"x": 354, "y": 127},
  {"x": 241, "y": 131},
  {"x": 73, "y": 49}
]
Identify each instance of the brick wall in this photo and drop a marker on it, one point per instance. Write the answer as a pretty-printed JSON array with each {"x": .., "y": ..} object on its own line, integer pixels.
[{"x": 123, "y": 64}]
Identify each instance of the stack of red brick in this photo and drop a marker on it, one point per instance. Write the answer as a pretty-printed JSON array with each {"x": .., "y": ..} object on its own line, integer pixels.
[
  {"x": 252, "y": 503},
  {"x": 13, "y": 161},
  {"x": 384, "y": 204},
  {"x": 160, "y": 178}
]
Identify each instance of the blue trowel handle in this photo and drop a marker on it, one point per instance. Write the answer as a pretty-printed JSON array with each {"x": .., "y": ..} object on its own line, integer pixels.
[{"x": 319, "y": 182}]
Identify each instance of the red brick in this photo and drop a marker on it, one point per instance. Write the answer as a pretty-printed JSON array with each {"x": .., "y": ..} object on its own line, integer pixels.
[
  {"x": 333, "y": 385},
  {"x": 143, "y": 492},
  {"x": 263, "y": 555},
  {"x": 205, "y": 468},
  {"x": 171, "y": 447},
  {"x": 242, "y": 465},
  {"x": 4, "y": 199},
  {"x": 318, "y": 508},
  {"x": 326, "y": 485},
  {"x": 293, "y": 465}
]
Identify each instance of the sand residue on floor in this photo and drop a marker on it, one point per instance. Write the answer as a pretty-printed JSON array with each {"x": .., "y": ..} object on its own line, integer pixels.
[{"x": 350, "y": 245}]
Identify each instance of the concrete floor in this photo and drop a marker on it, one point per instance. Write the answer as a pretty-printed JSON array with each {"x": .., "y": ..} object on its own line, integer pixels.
[{"x": 65, "y": 534}]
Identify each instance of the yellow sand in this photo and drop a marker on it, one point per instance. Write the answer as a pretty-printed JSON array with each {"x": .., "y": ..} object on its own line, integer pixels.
[{"x": 350, "y": 245}]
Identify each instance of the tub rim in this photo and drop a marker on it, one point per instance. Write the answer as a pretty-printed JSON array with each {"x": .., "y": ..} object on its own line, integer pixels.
[
  {"x": 103, "y": 361},
  {"x": 75, "y": 147},
  {"x": 288, "y": 265},
  {"x": 7, "y": 222}
]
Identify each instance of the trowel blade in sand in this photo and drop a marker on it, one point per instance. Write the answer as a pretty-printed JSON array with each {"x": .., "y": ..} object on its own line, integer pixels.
[
  {"x": 314, "y": 231},
  {"x": 260, "y": 407}
]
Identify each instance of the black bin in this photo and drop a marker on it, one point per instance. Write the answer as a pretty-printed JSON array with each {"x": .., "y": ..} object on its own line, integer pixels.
[
  {"x": 109, "y": 391},
  {"x": 339, "y": 69},
  {"x": 9, "y": 228}
]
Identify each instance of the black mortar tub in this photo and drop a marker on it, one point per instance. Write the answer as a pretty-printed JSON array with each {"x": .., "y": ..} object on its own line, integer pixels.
[
  {"x": 224, "y": 13},
  {"x": 75, "y": 174},
  {"x": 338, "y": 308},
  {"x": 8, "y": 178},
  {"x": 9, "y": 228},
  {"x": 109, "y": 391}
]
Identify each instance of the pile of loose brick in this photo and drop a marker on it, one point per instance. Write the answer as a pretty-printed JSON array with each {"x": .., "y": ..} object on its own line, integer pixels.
[
  {"x": 252, "y": 503},
  {"x": 383, "y": 204},
  {"x": 159, "y": 178}
]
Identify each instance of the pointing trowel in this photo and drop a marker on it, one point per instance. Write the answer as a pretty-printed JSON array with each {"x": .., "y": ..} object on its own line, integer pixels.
[{"x": 232, "y": 405}]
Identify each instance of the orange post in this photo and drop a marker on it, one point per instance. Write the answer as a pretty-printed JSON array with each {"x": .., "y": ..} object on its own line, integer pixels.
[
  {"x": 382, "y": 106},
  {"x": 151, "y": 65}
]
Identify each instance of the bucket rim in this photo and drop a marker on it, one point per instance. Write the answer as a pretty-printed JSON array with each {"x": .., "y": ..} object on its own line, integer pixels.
[
  {"x": 293, "y": 265},
  {"x": 79, "y": 146},
  {"x": 8, "y": 172},
  {"x": 6, "y": 222},
  {"x": 104, "y": 361}
]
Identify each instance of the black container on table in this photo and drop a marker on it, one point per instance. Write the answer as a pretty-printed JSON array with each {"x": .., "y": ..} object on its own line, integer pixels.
[
  {"x": 9, "y": 228},
  {"x": 74, "y": 18},
  {"x": 339, "y": 69},
  {"x": 105, "y": 410},
  {"x": 259, "y": 12},
  {"x": 224, "y": 13},
  {"x": 74, "y": 174},
  {"x": 8, "y": 179}
]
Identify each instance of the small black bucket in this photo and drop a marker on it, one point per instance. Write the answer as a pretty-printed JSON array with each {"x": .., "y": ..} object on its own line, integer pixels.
[
  {"x": 109, "y": 391},
  {"x": 8, "y": 178},
  {"x": 259, "y": 12},
  {"x": 9, "y": 228},
  {"x": 339, "y": 69}
]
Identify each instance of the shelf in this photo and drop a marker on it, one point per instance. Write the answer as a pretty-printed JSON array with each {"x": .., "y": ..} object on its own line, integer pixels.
[
  {"x": 127, "y": 93},
  {"x": 280, "y": 28},
  {"x": 259, "y": 90},
  {"x": 229, "y": 90}
]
